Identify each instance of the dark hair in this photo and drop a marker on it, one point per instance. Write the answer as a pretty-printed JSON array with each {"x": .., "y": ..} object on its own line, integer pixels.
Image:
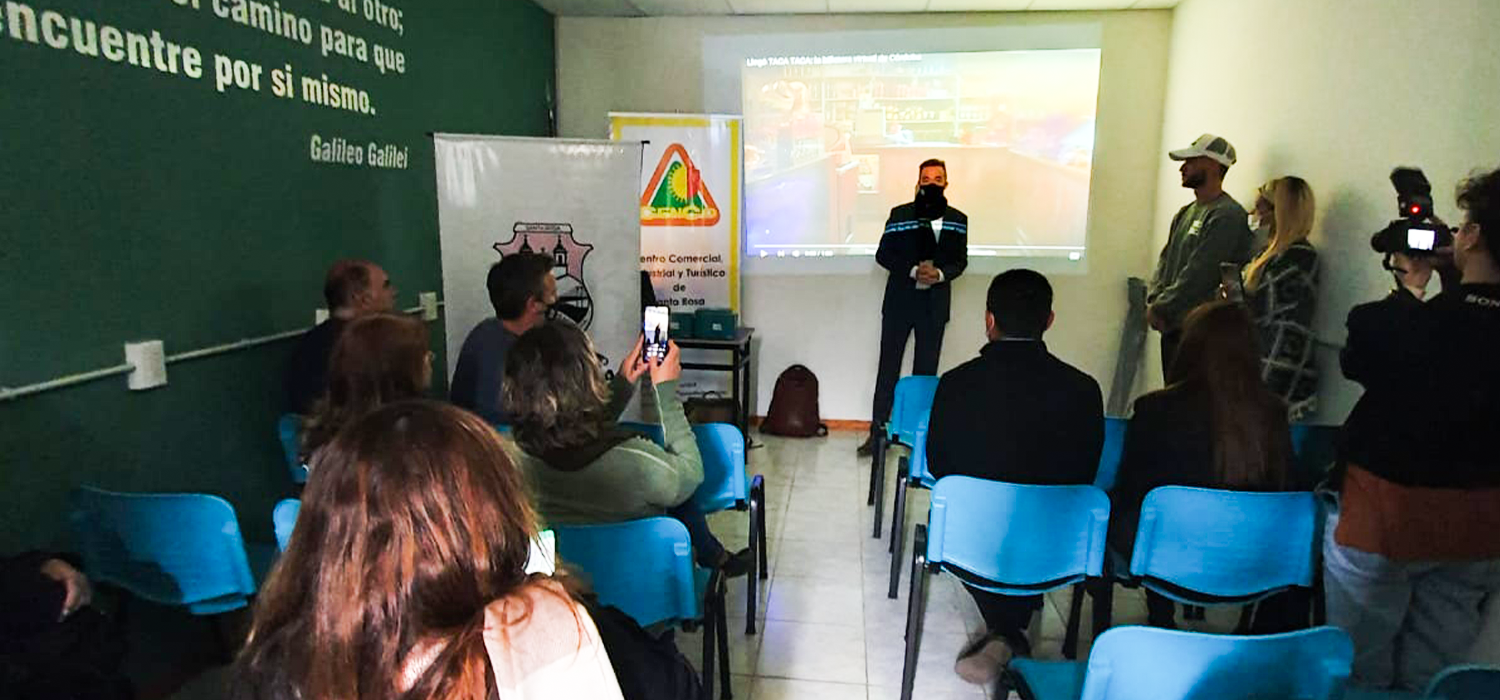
[
  {"x": 932, "y": 163},
  {"x": 1220, "y": 354},
  {"x": 554, "y": 388},
  {"x": 1479, "y": 195},
  {"x": 345, "y": 280},
  {"x": 377, "y": 359},
  {"x": 413, "y": 524},
  {"x": 1021, "y": 302},
  {"x": 515, "y": 280}
]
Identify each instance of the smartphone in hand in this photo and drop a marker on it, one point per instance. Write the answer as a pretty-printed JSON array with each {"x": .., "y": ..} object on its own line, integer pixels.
[{"x": 654, "y": 327}]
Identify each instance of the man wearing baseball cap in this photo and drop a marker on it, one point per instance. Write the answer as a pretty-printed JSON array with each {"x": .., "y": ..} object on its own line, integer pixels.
[{"x": 1210, "y": 230}]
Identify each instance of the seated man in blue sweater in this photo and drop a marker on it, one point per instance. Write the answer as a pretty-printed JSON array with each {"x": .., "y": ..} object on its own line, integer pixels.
[
  {"x": 1017, "y": 414},
  {"x": 522, "y": 289}
]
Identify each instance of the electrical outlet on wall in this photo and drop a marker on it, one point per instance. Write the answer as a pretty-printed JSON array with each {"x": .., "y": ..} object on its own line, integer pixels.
[
  {"x": 429, "y": 303},
  {"x": 148, "y": 359}
]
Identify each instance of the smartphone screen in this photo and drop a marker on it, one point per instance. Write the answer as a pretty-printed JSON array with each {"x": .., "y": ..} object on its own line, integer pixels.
[
  {"x": 1421, "y": 238},
  {"x": 655, "y": 328}
]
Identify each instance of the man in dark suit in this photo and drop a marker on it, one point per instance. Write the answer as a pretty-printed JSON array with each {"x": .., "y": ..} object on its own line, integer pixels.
[
  {"x": 352, "y": 288},
  {"x": 1018, "y": 414},
  {"x": 925, "y": 247}
]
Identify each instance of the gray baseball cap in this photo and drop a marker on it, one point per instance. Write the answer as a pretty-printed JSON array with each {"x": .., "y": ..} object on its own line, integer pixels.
[{"x": 1209, "y": 146}]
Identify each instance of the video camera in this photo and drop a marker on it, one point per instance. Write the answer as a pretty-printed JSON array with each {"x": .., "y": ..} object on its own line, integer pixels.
[{"x": 1417, "y": 232}]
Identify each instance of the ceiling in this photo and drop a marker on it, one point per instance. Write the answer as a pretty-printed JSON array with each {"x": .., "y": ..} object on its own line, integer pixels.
[{"x": 668, "y": 8}]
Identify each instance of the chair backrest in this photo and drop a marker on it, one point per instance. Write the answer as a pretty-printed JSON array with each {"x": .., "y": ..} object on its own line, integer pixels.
[
  {"x": 289, "y": 430},
  {"x": 1147, "y": 663},
  {"x": 652, "y": 431},
  {"x": 643, "y": 567},
  {"x": 1025, "y": 538},
  {"x": 725, "y": 480},
  {"x": 1226, "y": 544},
  {"x": 1465, "y": 682},
  {"x": 913, "y": 399},
  {"x": 1114, "y": 449},
  {"x": 173, "y": 549},
  {"x": 284, "y": 519}
]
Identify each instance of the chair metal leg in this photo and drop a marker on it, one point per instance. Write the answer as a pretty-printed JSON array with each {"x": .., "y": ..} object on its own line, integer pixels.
[
  {"x": 897, "y": 512},
  {"x": 1102, "y": 591},
  {"x": 1075, "y": 615},
  {"x": 1247, "y": 617},
  {"x": 710, "y": 617},
  {"x": 758, "y": 494},
  {"x": 752, "y": 582},
  {"x": 877, "y": 476},
  {"x": 721, "y": 626},
  {"x": 916, "y": 607},
  {"x": 898, "y": 540},
  {"x": 874, "y": 455}
]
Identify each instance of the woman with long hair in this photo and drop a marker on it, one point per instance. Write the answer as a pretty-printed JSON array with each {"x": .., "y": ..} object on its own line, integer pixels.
[
  {"x": 1281, "y": 289},
  {"x": 583, "y": 466},
  {"x": 406, "y": 578},
  {"x": 1215, "y": 425},
  {"x": 377, "y": 359}
]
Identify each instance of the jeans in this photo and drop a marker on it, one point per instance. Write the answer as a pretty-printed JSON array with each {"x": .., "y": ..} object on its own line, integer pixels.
[
  {"x": 707, "y": 550},
  {"x": 1007, "y": 616},
  {"x": 1408, "y": 619}
]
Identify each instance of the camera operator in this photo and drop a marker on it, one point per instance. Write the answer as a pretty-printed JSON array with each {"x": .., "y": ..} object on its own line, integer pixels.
[{"x": 1412, "y": 551}]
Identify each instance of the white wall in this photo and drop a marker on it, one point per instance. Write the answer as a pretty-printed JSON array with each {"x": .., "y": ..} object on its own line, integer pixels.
[
  {"x": 831, "y": 323},
  {"x": 1337, "y": 92}
]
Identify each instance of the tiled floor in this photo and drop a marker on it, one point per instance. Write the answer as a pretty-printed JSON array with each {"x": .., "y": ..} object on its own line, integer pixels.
[{"x": 828, "y": 630}]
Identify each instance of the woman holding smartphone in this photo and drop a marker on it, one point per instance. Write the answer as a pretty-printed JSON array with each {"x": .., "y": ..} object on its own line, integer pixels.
[
  {"x": 1280, "y": 290},
  {"x": 582, "y": 466}
]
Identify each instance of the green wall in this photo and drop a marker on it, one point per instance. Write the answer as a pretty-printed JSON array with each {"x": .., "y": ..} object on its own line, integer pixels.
[{"x": 137, "y": 204}]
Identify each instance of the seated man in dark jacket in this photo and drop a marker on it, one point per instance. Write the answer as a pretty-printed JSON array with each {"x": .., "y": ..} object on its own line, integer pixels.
[{"x": 1020, "y": 415}]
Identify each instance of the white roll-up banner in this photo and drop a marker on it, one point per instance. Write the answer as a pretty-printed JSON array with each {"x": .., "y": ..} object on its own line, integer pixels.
[{"x": 575, "y": 200}]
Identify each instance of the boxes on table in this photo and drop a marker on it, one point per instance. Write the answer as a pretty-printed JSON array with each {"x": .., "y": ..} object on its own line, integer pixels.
[
  {"x": 680, "y": 324},
  {"x": 715, "y": 324}
]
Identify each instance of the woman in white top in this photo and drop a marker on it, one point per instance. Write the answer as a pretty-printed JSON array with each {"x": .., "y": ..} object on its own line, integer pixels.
[{"x": 405, "y": 578}]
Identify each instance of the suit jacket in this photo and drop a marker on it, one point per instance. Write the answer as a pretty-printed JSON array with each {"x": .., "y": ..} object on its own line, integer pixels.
[
  {"x": 1018, "y": 414},
  {"x": 909, "y": 240}
]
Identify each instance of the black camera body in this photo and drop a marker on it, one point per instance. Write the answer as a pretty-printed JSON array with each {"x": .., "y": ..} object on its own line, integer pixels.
[{"x": 1417, "y": 232}]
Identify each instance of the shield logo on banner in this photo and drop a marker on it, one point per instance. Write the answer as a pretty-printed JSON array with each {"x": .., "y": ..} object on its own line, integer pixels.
[
  {"x": 676, "y": 194},
  {"x": 568, "y": 254}
]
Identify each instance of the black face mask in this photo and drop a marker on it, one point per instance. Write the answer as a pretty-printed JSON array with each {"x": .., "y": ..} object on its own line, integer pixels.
[{"x": 930, "y": 202}]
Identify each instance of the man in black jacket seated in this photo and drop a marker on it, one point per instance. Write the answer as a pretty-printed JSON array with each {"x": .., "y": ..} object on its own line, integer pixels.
[
  {"x": 1018, "y": 414},
  {"x": 925, "y": 247}
]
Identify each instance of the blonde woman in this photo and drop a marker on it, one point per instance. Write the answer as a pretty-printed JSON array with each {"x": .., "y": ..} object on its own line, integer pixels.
[{"x": 1281, "y": 288}]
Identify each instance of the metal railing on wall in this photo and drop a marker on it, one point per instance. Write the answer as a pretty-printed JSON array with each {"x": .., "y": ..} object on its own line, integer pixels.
[{"x": 13, "y": 393}]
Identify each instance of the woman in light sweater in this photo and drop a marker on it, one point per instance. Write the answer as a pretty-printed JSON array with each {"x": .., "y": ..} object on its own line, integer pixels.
[
  {"x": 582, "y": 466},
  {"x": 405, "y": 577}
]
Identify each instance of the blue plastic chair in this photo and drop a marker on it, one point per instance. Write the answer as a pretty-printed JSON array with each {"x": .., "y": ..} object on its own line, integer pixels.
[
  {"x": 1461, "y": 682},
  {"x": 1315, "y": 448},
  {"x": 1147, "y": 663},
  {"x": 172, "y": 549},
  {"x": 728, "y": 485},
  {"x": 1012, "y": 539},
  {"x": 284, "y": 519},
  {"x": 911, "y": 473},
  {"x": 289, "y": 430},
  {"x": 645, "y": 568},
  {"x": 1206, "y": 546},
  {"x": 1466, "y": 682},
  {"x": 1113, "y": 452},
  {"x": 913, "y": 400}
]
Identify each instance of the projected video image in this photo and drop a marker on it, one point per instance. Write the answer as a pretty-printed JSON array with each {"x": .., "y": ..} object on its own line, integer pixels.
[{"x": 833, "y": 142}]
